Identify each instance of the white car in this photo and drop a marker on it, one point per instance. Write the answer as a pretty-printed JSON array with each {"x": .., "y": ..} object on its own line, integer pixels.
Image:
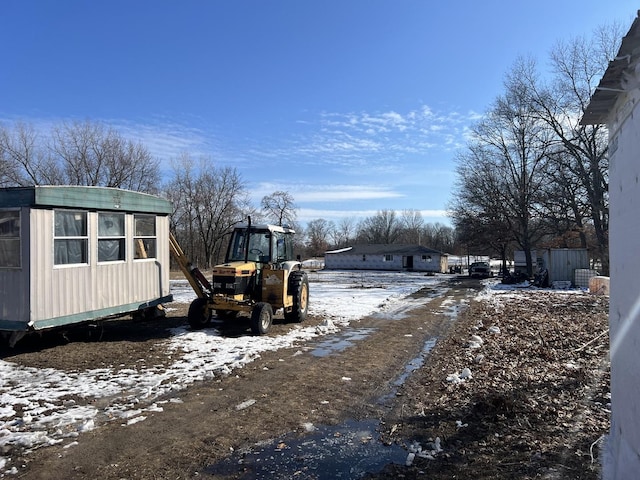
[{"x": 480, "y": 269}]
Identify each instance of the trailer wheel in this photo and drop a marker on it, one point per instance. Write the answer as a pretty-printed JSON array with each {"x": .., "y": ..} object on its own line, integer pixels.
[
  {"x": 299, "y": 288},
  {"x": 199, "y": 314},
  {"x": 261, "y": 318}
]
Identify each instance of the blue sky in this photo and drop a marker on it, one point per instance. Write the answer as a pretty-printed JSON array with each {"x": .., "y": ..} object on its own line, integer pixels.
[{"x": 352, "y": 106}]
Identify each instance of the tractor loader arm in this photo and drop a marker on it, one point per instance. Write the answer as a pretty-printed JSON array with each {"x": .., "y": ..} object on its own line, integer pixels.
[{"x": 196, "y": 279}]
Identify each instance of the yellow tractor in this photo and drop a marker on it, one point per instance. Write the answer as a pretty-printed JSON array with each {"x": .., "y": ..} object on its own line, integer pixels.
[{"x": 259, "y": 277}]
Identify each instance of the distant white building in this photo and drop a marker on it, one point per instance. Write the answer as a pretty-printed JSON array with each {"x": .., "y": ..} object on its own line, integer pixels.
[
  {"x": 387, "y": 257},
  {"x": 616, "y": 103}
]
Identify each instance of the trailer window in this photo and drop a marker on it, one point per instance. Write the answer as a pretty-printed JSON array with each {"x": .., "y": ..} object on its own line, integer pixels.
[
  {"x": 70, "y": 241},
  {"x": 10, "y": 239},
  {"x": 388, "y": 258},
  {"x": 111, "y": 239},
  {"x": 144, "y": 236}
]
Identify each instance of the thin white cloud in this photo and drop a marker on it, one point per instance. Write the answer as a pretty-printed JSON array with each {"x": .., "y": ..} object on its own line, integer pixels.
[
  {"x": 344, "y": 193},
  {"x": 351, "y": 137},
  {"x": 166, "y": 140},
  {"x": 308, "y": 214},
  {"x": 305, "y": 193},
  {"x": 375, "y": 140}
]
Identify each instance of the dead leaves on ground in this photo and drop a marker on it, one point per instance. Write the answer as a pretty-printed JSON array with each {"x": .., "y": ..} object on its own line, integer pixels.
[{"x": 535, "y": 400}]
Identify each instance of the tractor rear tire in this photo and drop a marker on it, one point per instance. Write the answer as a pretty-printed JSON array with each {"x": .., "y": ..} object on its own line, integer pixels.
[
  {"x": 261, "y": 318},
  {"x": 299, "y": 288},
  {"x": 199, "y": 314}
]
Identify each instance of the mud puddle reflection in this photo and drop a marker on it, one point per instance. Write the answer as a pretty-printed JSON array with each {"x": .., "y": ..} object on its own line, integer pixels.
[
  {"x": 339, "y": 342},
  {"x": 409, "y": 368},
  {"x": 347, "y": 451}
]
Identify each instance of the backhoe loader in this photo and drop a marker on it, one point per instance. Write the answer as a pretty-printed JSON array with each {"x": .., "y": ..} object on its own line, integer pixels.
[{"x": 259, "y": 277}]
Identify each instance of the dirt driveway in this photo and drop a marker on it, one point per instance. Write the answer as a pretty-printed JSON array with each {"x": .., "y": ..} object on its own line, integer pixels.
[{"x": 211, "y": 429}]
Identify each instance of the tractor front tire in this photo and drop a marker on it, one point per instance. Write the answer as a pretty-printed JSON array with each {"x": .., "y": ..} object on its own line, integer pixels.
[
  {"x": 199, "y": 314},
  {"x": 299, "y": 288},
  {"x": 261, "y": 318}
]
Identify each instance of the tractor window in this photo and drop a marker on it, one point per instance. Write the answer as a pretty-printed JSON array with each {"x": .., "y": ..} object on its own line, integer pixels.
[
  {"x": 280, "y": 247},
  {"x": 259, "y": 246},
  {"x": 283, "y": 247}
]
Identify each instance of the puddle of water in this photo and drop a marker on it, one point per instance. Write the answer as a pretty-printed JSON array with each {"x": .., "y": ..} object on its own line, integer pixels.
[
  {"x": 348, "y": 451},
  {"x": 340, "y": 342},
  {"x": 409, "y": 368}
]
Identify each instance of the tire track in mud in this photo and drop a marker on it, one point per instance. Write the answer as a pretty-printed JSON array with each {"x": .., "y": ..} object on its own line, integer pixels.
[{"x": 286, "y": 394}]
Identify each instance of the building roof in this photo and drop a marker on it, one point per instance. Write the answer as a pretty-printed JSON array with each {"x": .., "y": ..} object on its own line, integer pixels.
[
  {"x": 378, "y": 249},
  {"x": 89, "y": 198},
  {"x": 613, "y": 82}
]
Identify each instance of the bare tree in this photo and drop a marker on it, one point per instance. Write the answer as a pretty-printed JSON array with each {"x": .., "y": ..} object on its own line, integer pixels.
[
  {"x": 75, "y": 154},
  {"x": 438, "y": 236},
  {"x": 318, "y": 232},
  {"x": 510, "y": 150},
  {"x": 577, "y": 66},
  {"x": 26, "y": 159},
  {"x": 91, "y": 154},
  {"x": 412, "y": 227},
  {"x": 481, "y": 222},
  {"x": 383, "y": 228},
  {"x": 279, "y": 207},
  {"x": 208, "y": 202},
  {"x": 344, "y": 232}
]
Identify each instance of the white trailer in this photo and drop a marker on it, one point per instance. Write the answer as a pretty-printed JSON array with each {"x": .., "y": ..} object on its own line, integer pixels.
[{"x": 71, "y": 254}]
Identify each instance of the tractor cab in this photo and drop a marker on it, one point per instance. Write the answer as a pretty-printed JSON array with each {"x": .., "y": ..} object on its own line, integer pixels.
[
  {"x": 260, "y": 276},
  {"x": 262, "y": 244},
  {"x": 253, "y": 250}
]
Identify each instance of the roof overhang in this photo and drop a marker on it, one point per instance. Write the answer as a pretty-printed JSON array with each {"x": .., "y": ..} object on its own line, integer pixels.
[{"x": 614, "y": 80}]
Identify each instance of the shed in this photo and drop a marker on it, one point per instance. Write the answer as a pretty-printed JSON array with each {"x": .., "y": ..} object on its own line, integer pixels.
[
  {"x": 387, "y": 257},
  {"x": 616, "y": 103},
  {"x": 561, "y": 263},
  {"x": 70, "y": 254}
]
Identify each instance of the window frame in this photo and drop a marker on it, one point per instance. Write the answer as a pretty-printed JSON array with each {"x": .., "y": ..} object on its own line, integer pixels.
[
  {"x": 121, "y": 238},
  {"x": 144, "y": 238},
  {"x": 83, "y": 239},
  {"x": 387, "y": 257},
  {"x": 13, "y": 239}
]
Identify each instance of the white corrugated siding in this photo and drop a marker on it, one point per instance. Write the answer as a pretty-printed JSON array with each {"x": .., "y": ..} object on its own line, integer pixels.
[{"x": 67, "y": 290}]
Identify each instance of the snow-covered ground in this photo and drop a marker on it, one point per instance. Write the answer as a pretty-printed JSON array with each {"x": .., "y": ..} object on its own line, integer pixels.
[{"x": 45, "y": 406}]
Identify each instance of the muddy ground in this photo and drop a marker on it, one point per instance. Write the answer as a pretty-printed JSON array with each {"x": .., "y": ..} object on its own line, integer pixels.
[{"x": 535, "y": 404}]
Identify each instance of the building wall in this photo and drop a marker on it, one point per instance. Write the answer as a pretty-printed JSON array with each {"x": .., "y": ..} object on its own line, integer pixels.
[
  {"x": 78, "y": 290},
  {"x": 349, "y": 261},
  {"x": 41, "y": 294},
  {"x": 562, "y": 263},
  {"x": 622, "y": 456}
]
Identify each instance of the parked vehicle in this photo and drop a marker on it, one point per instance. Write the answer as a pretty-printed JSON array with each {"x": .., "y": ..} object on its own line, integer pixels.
[
  {"x": 480, "y": 269},
  {"x": 259, "y": 276}
]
